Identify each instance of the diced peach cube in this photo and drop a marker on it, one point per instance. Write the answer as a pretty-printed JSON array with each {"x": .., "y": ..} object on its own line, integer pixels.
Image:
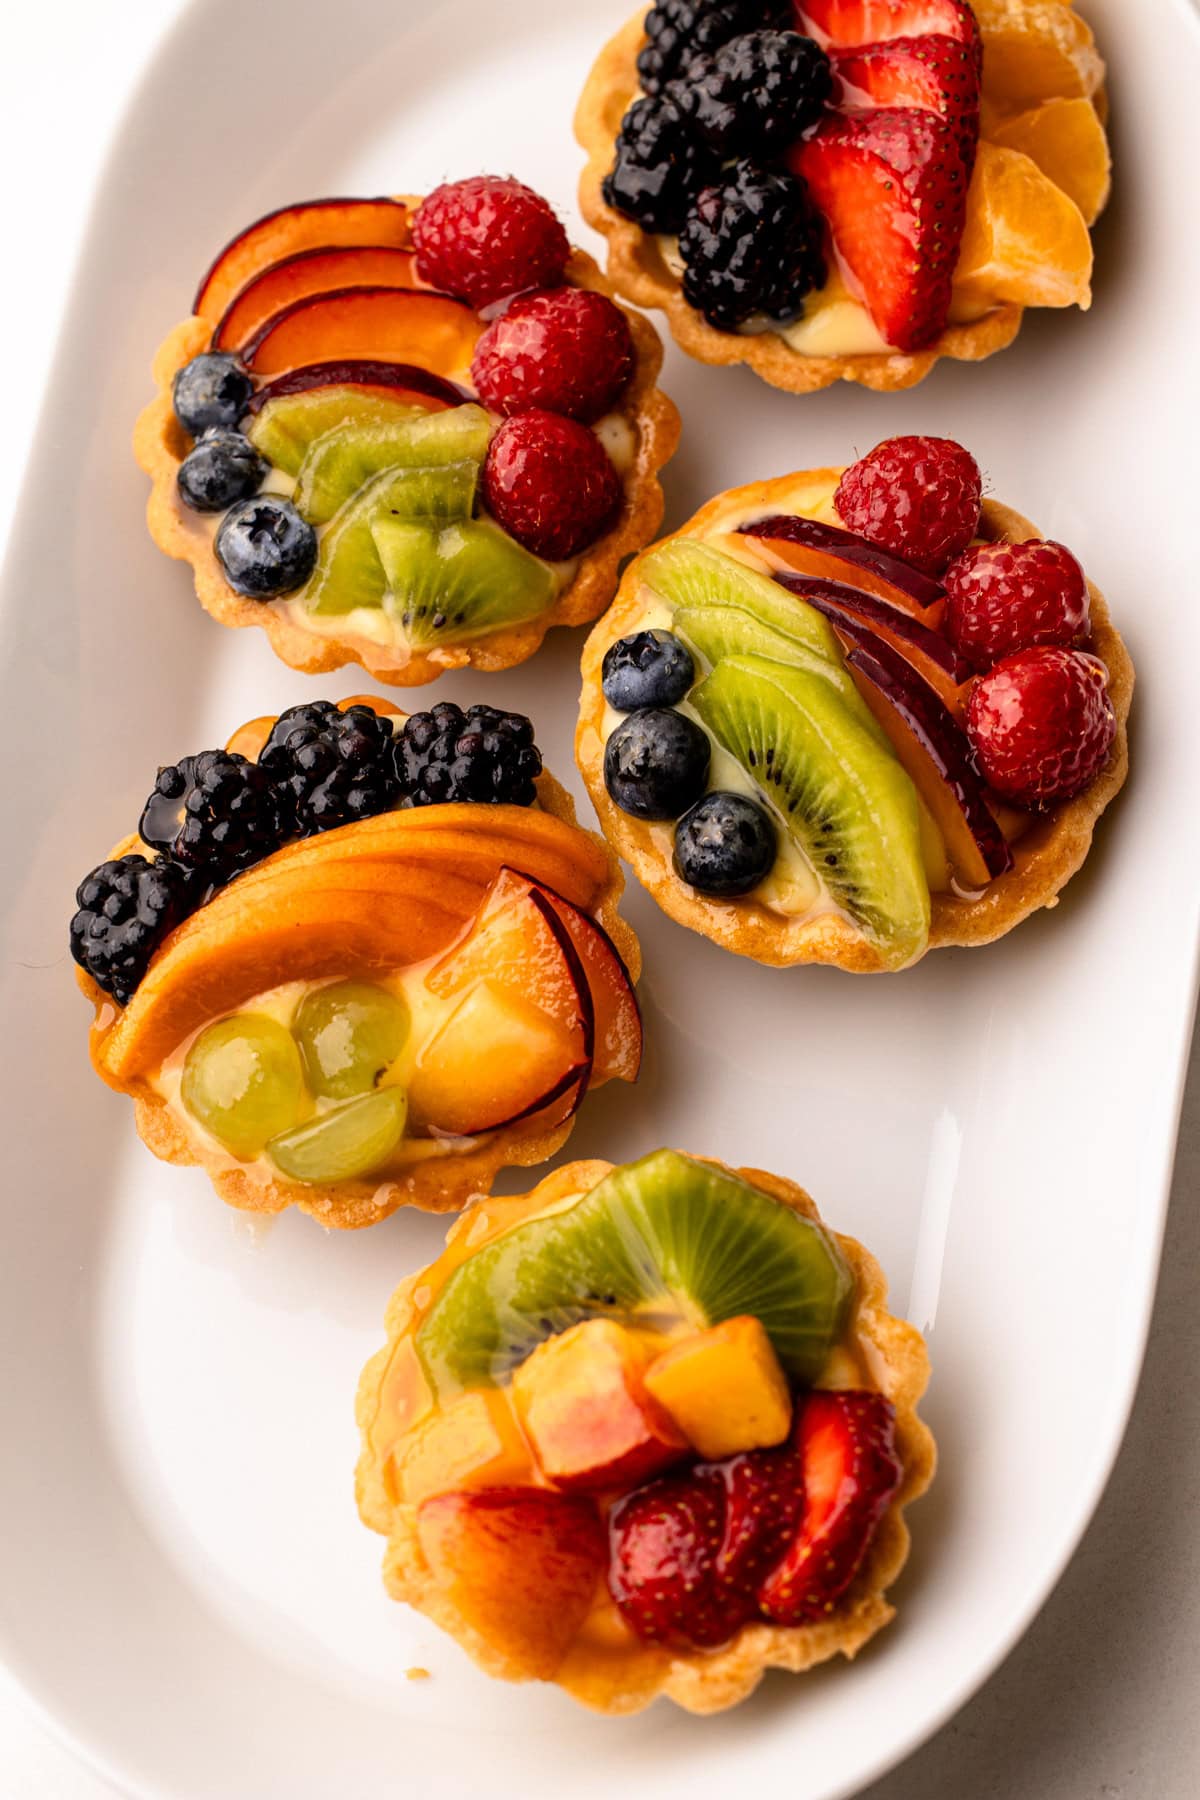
[
  {"x": 586, "y": 1412},
  {"x": 724, "y": 1388},
  {"x": 473, "y": 1442}
]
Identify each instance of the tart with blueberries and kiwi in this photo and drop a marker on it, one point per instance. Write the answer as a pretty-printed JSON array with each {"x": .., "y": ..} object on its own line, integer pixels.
[
  {"x": 358, "y": 960},
  {"x": 647, "y": 1430},
  {"x": 411, "y": 434},
  {"x": 847, "y": 189},
  {"x": 850, "y": 715}
]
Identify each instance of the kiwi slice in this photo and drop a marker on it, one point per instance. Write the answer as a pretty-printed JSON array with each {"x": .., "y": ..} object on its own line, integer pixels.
[
  {"x": 343, "y": 460},
  {"x": 349, "y": 572},
  {"x": 286, "y": 426},
  {"x": 844, "y": 798},
  {"x": 687, "y": 573},
  {"x": 659, "y": 1240},
  {"x": 721, "y": 631},
  {"x": 460, "y": 581}
]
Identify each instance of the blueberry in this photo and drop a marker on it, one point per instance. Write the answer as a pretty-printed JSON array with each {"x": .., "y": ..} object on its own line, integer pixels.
[
  {"x": 223, "y": 467},
  {"x": 210, "y": 390},
  {"x": 265, "y": 547},
  {"x": 651, "y": 668},
  {"x": 725, "y": 845},
  {"x": 656, "y": 764}
]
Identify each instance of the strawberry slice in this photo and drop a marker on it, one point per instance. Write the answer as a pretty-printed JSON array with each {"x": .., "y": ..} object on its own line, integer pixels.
[
  {"x": 848, "y": 24},
  {"x": 846, "y": 1446},
  {"x": 936, "y": 74},
  {"x": 665, "y": 1542},
  {"x": 892, "y": 186}
]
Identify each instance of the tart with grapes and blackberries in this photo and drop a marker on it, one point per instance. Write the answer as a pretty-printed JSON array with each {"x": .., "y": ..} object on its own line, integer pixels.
[
  {"x": 412, "y": 434},
  {"x": 647, "y": 1430},
  {"x": 358, "y": 960},
  {"x": 847, "y": 189},
  {"x": 851, "y": 715}
]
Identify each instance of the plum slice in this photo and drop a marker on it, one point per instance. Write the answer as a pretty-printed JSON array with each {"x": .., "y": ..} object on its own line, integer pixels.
[
  {"x": 381, "y": 324},
  {"x": 934, "y": 655},
  {"x": 816, "y": 549},
  {"x": 309, "y": 225},
  {"x": 618, "y": 1050},
  {"x": 310, "y": 272}
]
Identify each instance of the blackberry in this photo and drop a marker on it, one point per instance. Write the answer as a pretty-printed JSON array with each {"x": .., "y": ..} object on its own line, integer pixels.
[
  {"x": 223, "y": 467},
  {"x": 661, "y": 166},
  {"x": 215, "y": 813},
  {"x": 752, "y": 244},
  {"x": 481, "y": 754},
  {"x": 681, "y": 29},
  {"x": 213, "y": 389},
  {"x": 126, "y": 909},
  {"x": 335, "y": 766},
  {"x": 757, "y": 93}
]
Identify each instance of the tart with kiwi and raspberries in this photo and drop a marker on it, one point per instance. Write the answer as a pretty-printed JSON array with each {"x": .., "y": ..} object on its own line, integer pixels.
[
  {"x": 847, "y": 189},
  {"x": 359, "y": 960},
  {"x": 647, "y": 1430},
  {"x": 851, "y": 715},
  {"x": 411, "y": 434}
]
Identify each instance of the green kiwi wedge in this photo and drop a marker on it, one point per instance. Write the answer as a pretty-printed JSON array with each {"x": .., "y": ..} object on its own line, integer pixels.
[
  {"x": 843, "y": 797},
  {"x": 286, "y": 426},
  {"x": 686, "y": 573},
  {"x": 349, "y": 572},
  {"x": 341, "y": 461},
  {"x": 657, "y": 1241},
  {"x": 456, "y": 581}
]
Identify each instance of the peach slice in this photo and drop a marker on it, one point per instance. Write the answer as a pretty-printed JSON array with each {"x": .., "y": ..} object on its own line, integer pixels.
[
  {"x": 379, "y": 324},
  {"x": 311, "y": 225},
  {"x": 310, "y": 272},
  {"x": 618, "y": 1052},
  {"x": 474, "y": 1441},
  {"x": 724, "y": 1388},
  {"x": 583, "y": 1406},
  {"x": 520, "y": 1566}
]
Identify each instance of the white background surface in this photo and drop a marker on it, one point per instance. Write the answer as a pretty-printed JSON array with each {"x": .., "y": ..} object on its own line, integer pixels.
[{"x": 1099, "y": 1699}]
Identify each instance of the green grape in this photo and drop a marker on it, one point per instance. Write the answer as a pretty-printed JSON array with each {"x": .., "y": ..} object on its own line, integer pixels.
[
  {"x": 351, "y": 1140},
  {"x": 349, "y": 1033},
  {"x": 243, "y": 1081}
]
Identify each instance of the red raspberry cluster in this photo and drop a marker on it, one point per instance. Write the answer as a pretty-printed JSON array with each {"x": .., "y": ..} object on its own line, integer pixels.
[{"x": 554, "y": 358}]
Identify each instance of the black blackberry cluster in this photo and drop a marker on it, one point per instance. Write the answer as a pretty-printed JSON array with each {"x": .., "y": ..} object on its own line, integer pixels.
[
  {"x": 681, "y": 29},
  {"x": 126, "y": 909},
  {"x": 215, "y": 813},
  {"x": 336, "y": 767},
  {"x": 696, "y": 156},
  {"x": 481, "y": 754}
]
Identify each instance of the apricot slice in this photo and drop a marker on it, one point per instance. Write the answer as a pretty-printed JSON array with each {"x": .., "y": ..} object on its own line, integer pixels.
[
  {"x": 724, "y": 1388},
  {"x": 380, "y": 324},
  {"x": 310, "y": 272},
  {"x": 1035, "y": 50},
  {"x": 1068, "y": 143},
  {"x": 310, "y": 225},
  {"x": 618, "y": 1050},
  {"x": 1025, "y": 240}
]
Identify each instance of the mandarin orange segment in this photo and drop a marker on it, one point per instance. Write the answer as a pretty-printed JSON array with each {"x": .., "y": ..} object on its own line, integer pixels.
[
  {"x": 1025, "y": 240},
  {"x": 1035, "y": 50},
  {"x": 1067, "y": 142},
  {"x": 724, "y": 1388}
]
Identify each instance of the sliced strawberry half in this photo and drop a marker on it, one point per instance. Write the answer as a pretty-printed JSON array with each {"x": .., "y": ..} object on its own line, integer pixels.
[
  {"x": 664, "y": 1543},
  {"x": 848, "y": 24},
  {"x": 850, "y": 1471},
  {"x": 934, "y": 74},
  {"x": 892, "y": 186}
]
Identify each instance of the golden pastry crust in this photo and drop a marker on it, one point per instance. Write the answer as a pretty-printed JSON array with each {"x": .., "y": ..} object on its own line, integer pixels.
[
  {"x": 638, "y": 270},
  {"x": 437, "y": 1184},
  {"x": 630, "y": 1678},
  {"x": 160, "y": 444},
  {"x": 1044, "y": 859}
]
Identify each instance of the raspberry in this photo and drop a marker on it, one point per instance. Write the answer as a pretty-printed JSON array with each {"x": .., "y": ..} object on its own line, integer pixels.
[
  {"x": 1006, "y": 597},
  {"x": 487, "y": 237},
  {"x": 548, "y": 481},
  {"x": 1042, "y": 724},
  {"x": 915, "y": 496},
  {"x": 567, "y": 350}
]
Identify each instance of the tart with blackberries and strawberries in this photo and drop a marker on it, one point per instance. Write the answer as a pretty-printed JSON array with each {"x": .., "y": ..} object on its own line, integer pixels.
[
  {"x": 847, "y": 189},
  {"x": 647, "y": 1430},
  {"x": 359, "y": 960},
  {"x": 851, "y": 715},
  {"x": 411, "y": 434}
]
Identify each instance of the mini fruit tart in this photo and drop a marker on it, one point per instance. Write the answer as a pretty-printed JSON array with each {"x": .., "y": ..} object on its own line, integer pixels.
[
  {"x": 646, "y": 1430},
  {"x": 411, "y": 434},
  {"x": 359, "y": 960},
  {"x": 851, "y": 715},
  {"x": 847, "y": 189}
]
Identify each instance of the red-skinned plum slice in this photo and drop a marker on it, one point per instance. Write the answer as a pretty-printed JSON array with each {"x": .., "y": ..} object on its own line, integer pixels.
[
  {"x": 373, "y": 323},
  {"x": 310, "y": 272},
  {"x": 310, "y": 225},
  {"x": 933, "y": 655},
  {"x": 813, "y": 549}
]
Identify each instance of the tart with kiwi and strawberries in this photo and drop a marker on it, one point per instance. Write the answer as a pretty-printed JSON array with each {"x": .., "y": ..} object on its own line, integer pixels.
[
  {"x": 358, "y": 960},
  {"x": 408, "y": 433},
  {"x": 847, "y": 189},
  {"x": 647, "y": 1430},
  {"x": 851, "y": 715}
]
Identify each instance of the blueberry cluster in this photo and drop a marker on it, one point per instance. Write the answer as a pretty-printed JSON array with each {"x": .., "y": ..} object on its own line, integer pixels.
[
  {"x": 726, "y": 90},
  {"x": 211, "y": 816},
  {"x": 263, "y": 545},
  {"x": 656, "y": 767}
]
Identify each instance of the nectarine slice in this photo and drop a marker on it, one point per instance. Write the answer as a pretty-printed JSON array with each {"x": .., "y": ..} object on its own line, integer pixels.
[
  {"x": 310, "y": 272},
  {"x": 376, "y": 323},
  {"x": 310, "y": 225},
  {"x": 618, "y": 1053}
]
